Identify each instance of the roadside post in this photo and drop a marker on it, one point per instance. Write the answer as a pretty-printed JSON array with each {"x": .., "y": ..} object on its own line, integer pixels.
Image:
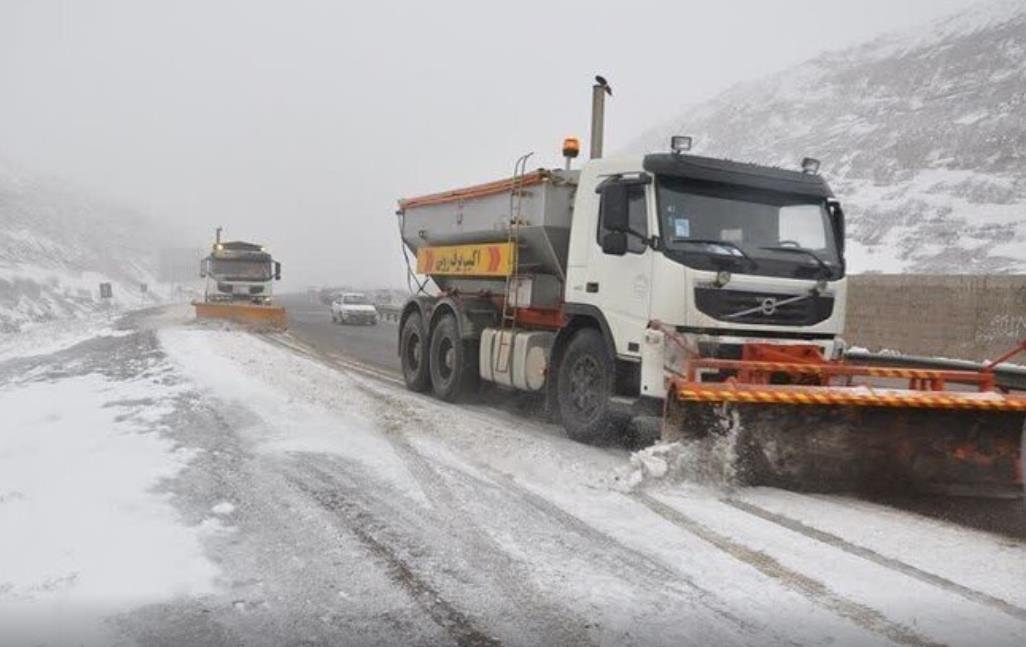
[{"x": 106, "y": 294}]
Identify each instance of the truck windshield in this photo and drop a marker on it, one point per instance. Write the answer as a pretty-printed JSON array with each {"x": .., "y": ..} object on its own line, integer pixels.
[
  {"x": 240, "y": 270},
  {"x": 760, "y": 230}
]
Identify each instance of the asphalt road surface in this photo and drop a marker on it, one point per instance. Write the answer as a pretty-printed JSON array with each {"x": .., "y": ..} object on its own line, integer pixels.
[
  {"x": 371, "y": 345},
  {"x": 375, "y": 347}
]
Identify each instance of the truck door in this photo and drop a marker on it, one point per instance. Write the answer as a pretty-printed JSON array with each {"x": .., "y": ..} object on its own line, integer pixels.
[{"x": 624, "y": 271}]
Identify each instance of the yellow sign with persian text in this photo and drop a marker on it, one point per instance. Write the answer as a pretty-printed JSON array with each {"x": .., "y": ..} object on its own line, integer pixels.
[{"x": 489, "y": 259}]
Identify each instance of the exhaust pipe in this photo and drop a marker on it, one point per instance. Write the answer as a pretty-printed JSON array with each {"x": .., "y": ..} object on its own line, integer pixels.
[{"x": 598, "y": 114}]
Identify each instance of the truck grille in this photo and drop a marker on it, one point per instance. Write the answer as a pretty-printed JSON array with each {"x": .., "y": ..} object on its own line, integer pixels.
[{"x": 720, "y": 303}]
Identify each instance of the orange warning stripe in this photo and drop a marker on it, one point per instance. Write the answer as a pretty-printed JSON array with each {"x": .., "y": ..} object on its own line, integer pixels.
[
  {"x": 812, "y": 395},
  {"x": 839, "y": 369},
  {"x": 476, "y": 191}
]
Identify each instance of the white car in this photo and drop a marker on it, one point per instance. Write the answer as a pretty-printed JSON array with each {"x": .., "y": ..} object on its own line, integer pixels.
[{"x": 353, "y": 307}]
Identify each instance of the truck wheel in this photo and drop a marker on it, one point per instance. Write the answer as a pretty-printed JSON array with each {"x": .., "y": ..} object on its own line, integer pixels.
[
  {"x": 413, "y": 354},
  {"x": 453, "y": 363},
  {"x": 584, "y": 385}
]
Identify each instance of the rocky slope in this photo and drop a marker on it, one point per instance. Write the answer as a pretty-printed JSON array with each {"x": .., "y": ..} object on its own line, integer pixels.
[
  {"x": 922, "y": 134},
  {"x": 58, "y": 244}
]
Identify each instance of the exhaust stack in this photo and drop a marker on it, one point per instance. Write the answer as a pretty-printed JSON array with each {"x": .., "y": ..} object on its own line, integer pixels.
[{"x": 598, "y": 114}]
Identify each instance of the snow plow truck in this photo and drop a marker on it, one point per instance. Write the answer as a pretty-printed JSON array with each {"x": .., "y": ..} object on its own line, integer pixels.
[
  {"x": 238, "y": 285},
  {"x": 706, "y": 291}
]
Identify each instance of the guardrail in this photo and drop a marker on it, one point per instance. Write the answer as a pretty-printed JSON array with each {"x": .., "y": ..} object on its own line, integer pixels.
[
  {"x": 389, "y": 313},
  {"x": 1012, "y": 378}
]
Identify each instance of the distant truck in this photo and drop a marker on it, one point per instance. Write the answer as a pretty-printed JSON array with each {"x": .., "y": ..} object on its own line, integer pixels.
[
  {"x": 353, "y": 308},
  {"x": 239, "y": 271},
  {"x": 239, "y": 277}
]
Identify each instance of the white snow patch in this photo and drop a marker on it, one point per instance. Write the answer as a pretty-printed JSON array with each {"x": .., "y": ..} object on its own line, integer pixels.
[
  {"x": 223, "y": 508},
  {"x": 84, "y": 533},
  {"x": 246, "y": 371}
]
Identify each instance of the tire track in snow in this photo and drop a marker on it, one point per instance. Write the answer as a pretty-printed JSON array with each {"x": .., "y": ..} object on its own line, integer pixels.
[
  {"x": 620, "y": 556},
  {"x": 603, "y": 547},
  {"x": 617, "y": 555},
  {"x": 814, "y": 590},
  {"x": 507, "y": 574},
  {"x": 888, "y": 562},
  {"x": 361, "y": 523}
]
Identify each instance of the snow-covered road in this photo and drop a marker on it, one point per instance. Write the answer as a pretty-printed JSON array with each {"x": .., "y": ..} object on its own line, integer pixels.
[{"x": 175, "y": 484}]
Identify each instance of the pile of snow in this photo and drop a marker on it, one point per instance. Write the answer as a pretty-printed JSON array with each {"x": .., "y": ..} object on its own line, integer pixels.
[
  {"x": 57, "y": 245},
  {"x": 922, "y": 135},
  {"x": 712, "y": 460}
]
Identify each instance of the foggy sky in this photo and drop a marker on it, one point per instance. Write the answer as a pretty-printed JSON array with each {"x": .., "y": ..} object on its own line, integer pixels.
[{"x": 298, "y": 123}]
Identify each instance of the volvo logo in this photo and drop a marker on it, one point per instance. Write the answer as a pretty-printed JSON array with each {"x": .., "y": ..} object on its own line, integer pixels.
[{"x": 768, "y": 306}]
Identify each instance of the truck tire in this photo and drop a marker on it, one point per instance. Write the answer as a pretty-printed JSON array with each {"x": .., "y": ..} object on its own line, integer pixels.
[
  {"x": 584, "y": 386},
  {"x": 413, "y": 354},
  {"x": 453, "y": 363}
]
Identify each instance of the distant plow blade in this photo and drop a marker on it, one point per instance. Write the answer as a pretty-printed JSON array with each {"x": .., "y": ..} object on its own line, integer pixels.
[{"x": 252, "y": 315}]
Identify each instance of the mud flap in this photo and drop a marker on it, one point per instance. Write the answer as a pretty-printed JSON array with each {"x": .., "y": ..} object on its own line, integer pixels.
[{"x": 863, "y": 449}]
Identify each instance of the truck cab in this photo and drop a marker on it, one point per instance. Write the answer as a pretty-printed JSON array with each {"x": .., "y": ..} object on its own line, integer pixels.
[
  {"x": 721, "y": 251},
  {"x": 237, "y": 271}
]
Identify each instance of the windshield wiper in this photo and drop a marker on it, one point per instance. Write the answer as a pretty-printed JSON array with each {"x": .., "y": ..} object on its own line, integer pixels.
[
  {"x": 828, "y": 272},
  {"x": 722, "y": 243}
]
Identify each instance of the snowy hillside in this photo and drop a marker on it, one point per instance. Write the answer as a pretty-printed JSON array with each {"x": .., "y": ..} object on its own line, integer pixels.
[
  {"x": 57, "y": 245},
  {"x": 921, "y": 134}
]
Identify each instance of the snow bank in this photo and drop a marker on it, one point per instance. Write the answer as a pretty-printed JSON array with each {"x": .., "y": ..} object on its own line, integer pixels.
[
  {"x": 82, "y": 523},
  {"x": 55, "y": 336}
]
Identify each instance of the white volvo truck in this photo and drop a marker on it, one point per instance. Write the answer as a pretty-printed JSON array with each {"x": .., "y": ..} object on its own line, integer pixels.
[{"x": 551, "y": 280}]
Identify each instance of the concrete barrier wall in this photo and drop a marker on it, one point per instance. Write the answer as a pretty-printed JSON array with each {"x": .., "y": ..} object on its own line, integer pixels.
[{"x": 959, "y": 316}]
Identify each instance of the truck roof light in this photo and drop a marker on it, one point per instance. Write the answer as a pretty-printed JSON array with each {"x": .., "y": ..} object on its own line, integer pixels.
[
  {"x": 810, "y": 165},
  {"x": 571, "y": 147},
  {"x": 680, "y": 144}
]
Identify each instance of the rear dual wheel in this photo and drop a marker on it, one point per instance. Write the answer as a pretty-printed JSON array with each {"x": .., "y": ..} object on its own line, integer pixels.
[
  {"x": 413, "y": 354},
  {"x": 442, "y": 362},
  {"x": 453, "y": 362}
]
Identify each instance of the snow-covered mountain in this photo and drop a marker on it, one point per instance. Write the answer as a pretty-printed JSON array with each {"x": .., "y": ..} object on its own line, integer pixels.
[
  {"x": 58, "y": 244},
  {"x": 922, "y": 135}
]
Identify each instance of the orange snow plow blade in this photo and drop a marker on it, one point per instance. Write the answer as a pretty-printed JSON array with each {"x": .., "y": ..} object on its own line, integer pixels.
[
  {"x": 257, "y": 316},
  {"x": 803, "y": 422}
]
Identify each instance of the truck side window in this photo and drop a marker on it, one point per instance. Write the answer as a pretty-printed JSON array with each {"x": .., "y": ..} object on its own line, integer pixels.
[{"x": 637, "y": 216}]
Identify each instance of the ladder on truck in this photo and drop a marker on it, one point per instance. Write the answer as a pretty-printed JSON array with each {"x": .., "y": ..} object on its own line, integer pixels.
[{"x": 502, "y": 359}]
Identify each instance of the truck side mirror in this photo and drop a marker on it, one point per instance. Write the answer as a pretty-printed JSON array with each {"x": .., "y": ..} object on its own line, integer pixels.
[
  {"x": 277, "y": 271},
  {"x": 614, "y": 207},
  {"x": 614, "y": 243},
  {"x": 837, "y": 216}
]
